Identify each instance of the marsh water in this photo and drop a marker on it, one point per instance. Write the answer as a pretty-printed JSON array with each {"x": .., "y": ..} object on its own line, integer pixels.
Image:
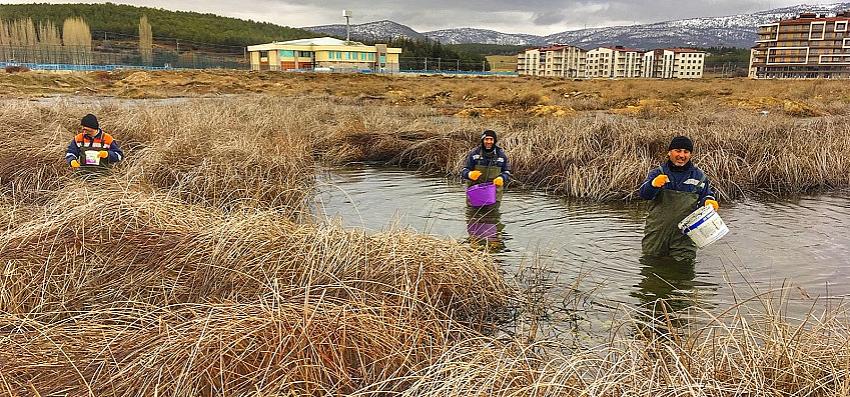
[{"x": 801, "y": 243}]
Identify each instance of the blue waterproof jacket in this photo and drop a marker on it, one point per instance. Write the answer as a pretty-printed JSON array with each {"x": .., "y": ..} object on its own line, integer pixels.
[
  {"x": 690, "y": 179},
  {"x": 496, "y": 158}
]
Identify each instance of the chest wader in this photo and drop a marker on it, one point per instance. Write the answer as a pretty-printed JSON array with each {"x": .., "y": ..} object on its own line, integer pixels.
[
  {"x": 91, "y": 171},
  {"x": 489, "y": 172},
  {"x": 661, "y": 236}
]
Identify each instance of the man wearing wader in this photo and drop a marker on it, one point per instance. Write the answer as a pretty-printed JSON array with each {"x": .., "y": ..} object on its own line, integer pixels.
[
  {"x": 487, "y": 163},
  {"x": 676, "y": 189},
  {"x": 92, "y": 150}
]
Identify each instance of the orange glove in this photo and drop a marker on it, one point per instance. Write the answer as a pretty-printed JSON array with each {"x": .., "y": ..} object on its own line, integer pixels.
[
  {"x": 474, "y": 175},
  {"x": 498, "y": 181},
  {"x": 660, "y": 180},
  {"x": 103, "y": 154},
  {"x": 712, "y": 203},
  {"x": 75, "y": 164}
]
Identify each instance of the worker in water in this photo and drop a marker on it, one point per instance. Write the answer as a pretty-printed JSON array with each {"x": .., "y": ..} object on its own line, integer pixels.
[
  {"x": 676, "y": 189},
  {"x": 92, "y": 149},
  {"x": 487, "y": 163}
]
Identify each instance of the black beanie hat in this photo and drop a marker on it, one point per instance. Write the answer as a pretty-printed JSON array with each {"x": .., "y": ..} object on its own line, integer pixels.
[
  {"x": 681, "y": 142},
  {"x": 489, "y": 133},
  {"x": 90, "y": 121}
]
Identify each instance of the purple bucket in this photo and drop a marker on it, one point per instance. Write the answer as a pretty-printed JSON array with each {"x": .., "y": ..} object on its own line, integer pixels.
[{"x": 481, "y": 194}]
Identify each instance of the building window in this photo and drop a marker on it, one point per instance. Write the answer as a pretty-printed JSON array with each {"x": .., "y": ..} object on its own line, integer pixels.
[
  {"x": 841, "y": 26},
  {"x": 286, "y": 53},
  {"x": 264, "y": 54},
  {"x": 305, "y": 54}
]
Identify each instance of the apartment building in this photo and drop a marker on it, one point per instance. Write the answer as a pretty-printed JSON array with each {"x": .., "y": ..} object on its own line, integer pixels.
[
  {"x": 528, "y": 62},
  {"x": 555, "y": 60},
  {"x": 674, "y": 63},
  {"x": 614, "y": 62},
  {"x": 807, "y": 46}
]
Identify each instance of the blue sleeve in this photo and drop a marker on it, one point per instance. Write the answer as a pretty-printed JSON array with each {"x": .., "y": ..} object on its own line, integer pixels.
[
  {"x": 647, "y": 191},
  {"x": 506, "y": 168},
  {"x": 707, "y": 193},
  {"x": 73, "y": 152},
  {"x": 470, "y": 164},
  {"x": 115, "y": 152}
]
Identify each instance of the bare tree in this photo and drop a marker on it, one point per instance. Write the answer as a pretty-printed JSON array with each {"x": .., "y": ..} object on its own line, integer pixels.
[
  {"x": 76, "y": 36},
  {"x": 145, "y": 40},
  {"x": 50, "y": 42}
]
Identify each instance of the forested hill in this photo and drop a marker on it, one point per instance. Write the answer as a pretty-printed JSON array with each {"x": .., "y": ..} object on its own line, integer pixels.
[{"x": 193, "y": 26}]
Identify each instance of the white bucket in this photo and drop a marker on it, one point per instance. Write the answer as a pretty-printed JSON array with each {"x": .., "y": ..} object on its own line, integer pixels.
[
  {"x": 704, "y": 226},
  {"x": 92, "y": 157}
]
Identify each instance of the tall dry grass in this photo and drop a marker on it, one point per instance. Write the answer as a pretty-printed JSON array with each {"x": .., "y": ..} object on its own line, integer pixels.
[
  {"x": 261, "y": 150},
  {"x": 192, "y": 270}
]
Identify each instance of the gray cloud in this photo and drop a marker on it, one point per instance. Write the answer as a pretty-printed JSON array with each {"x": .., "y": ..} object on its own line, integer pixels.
[{"x": 513, "y": 16}]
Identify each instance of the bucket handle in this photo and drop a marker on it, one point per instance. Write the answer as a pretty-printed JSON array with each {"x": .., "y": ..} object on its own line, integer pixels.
[{"x": 697, "y": 224}]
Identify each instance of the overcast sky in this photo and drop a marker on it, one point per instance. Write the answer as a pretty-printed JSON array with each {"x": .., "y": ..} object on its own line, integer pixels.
[{"x": 540, "y": 17}]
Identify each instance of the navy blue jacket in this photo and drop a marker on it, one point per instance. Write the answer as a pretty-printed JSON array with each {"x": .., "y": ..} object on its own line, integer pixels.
[
  {"x": 691, "y": 180},
  {"x": 497, "y": 158},
  {"x": 101, "y": 141}
]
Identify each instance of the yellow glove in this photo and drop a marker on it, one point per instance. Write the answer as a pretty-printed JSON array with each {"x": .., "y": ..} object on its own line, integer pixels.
[
  {"x": 713, "y": 203},
  {"x": 660, "y": 180},
  {"x": 474, "y": 175},
  {"x": 75, "y": 164},
  {"x": 498, "y": 181},
  {"x": 103, "y": 154}
]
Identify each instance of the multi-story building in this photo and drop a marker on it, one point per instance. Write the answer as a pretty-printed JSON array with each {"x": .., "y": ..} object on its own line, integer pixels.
[
  {"x": 325, "y": 53},
  {"x": 611, "y": 62},
  {"x": 807, "y": 46},
  {"x": 528, "y": 62},
  {"x": 614, "y": 62},
  {"x": 554, "y": 60},
  {"x": 674, "y": 63},
  {"x": 563, "y": 61}
]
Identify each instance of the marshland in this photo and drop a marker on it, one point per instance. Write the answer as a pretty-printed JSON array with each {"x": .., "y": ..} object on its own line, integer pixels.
[{"x": 276, "y": 234}]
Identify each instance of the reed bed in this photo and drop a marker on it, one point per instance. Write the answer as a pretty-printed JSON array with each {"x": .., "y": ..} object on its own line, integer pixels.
[
  {"x": 98, "y": 246},
  {"x": 745, "y": 351},
  {"x": 261, "y": 151},
  {"x": 315, "y": 346}
]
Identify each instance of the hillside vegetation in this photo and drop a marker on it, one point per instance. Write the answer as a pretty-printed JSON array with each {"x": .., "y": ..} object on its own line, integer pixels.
[{"x": 124, "y": 19}]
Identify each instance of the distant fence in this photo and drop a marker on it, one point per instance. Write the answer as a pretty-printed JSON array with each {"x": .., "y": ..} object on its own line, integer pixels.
[{"x": 102, "y": 58}]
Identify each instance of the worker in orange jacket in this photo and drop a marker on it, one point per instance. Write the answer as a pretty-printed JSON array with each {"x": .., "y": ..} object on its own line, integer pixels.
[{"x": 92, "y": 148}]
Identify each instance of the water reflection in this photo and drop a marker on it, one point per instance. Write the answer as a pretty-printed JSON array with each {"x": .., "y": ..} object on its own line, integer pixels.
[
  {"x": 485, "y": 228},
  {"x": 798, "y": 242}
]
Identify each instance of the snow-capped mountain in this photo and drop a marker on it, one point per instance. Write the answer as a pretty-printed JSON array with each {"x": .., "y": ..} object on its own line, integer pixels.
[
  {"x": 481, "y": 36},
  {"x": 731, "y": 31},
  {"x": 372, "y": 31}
]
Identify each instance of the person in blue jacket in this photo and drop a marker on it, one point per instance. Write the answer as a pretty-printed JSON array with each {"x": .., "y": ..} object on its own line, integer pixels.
[
  {"x": 487, "y": 163},
  {"x": 92, "y": 149},
  {"x": 676, "y": 189}
]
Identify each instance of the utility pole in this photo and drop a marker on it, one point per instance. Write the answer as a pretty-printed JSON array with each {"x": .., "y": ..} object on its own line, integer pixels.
[
  {"x": 347, "y": 15},
  {"x": 439, "y": 67},
  {"x": 426, "y": 64},
  {"x": 483, "y": 66},
  {"x": 458, "y": 65}
]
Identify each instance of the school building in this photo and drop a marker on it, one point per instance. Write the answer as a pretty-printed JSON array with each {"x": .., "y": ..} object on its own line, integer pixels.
[{"x": 324, "y": 54}]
